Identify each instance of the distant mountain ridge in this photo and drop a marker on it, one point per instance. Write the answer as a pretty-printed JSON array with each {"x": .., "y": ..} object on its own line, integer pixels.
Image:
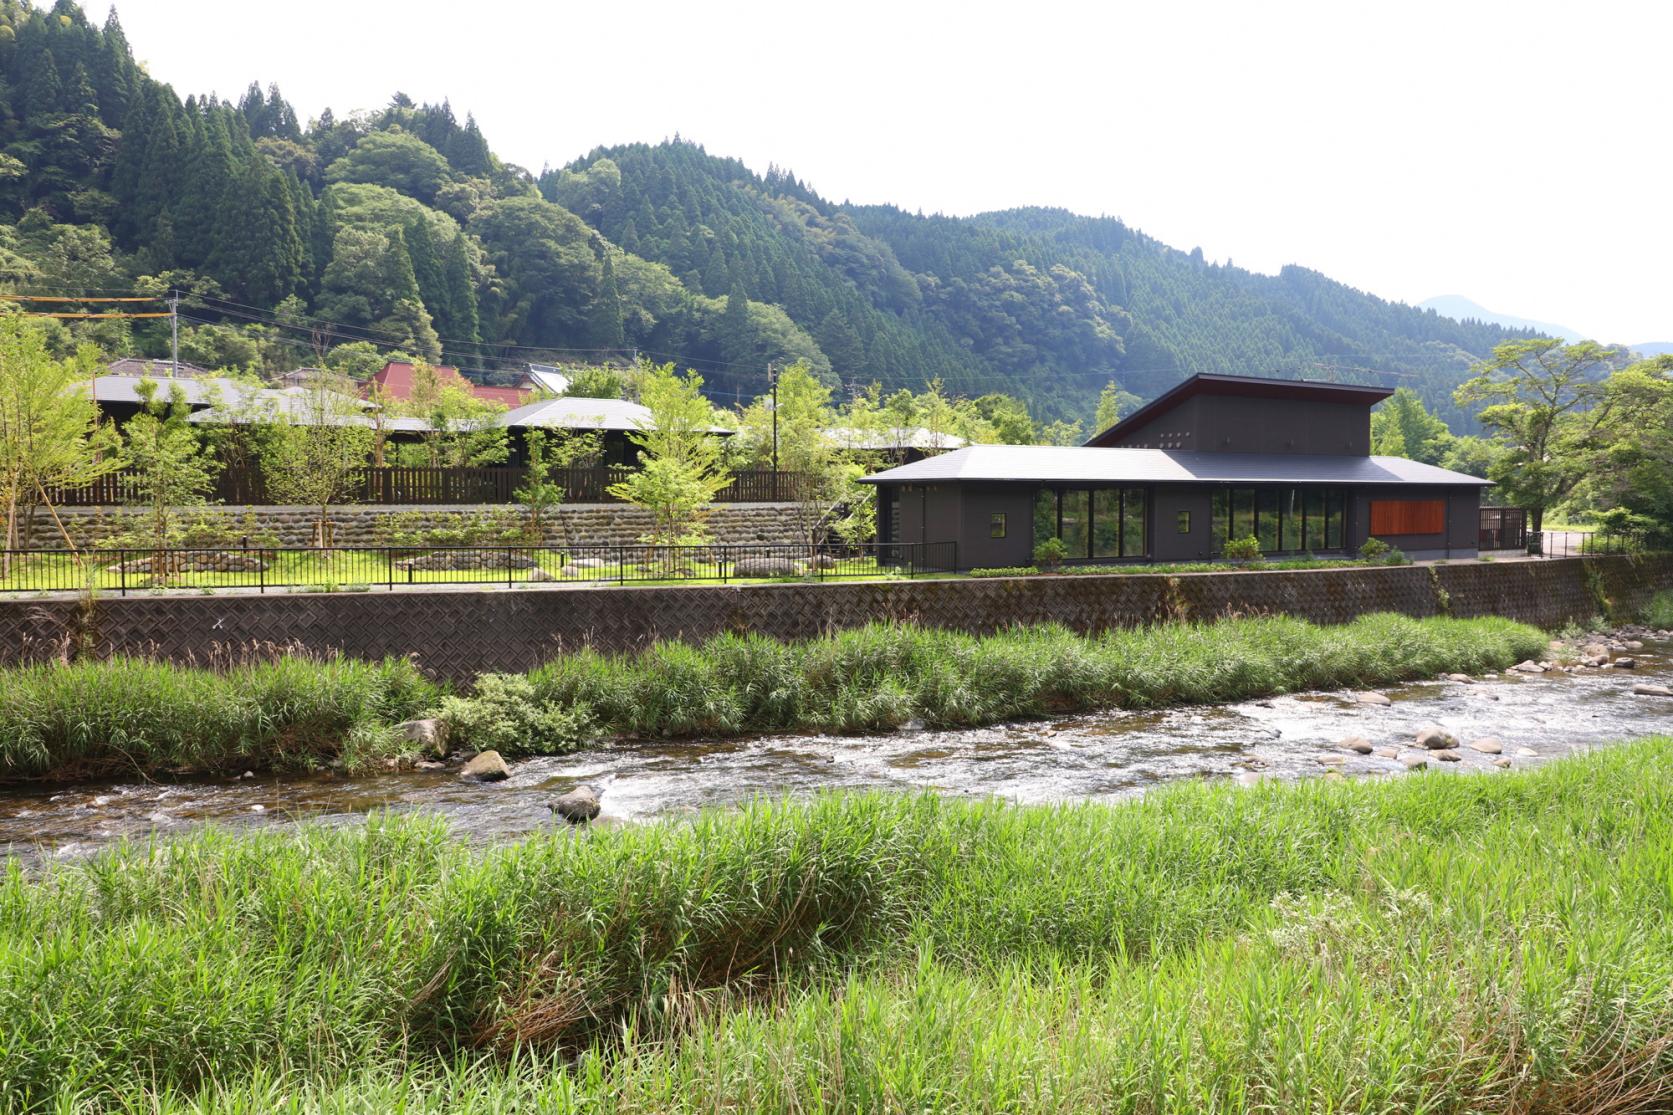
[{"x": 1459, "y": 308}]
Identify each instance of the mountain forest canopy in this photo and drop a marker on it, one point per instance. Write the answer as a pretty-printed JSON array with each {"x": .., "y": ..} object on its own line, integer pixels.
[{"x": 400, "y": 229}]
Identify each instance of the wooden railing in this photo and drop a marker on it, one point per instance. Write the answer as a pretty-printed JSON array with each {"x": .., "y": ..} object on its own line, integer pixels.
[{"x": 402, "y": 485}]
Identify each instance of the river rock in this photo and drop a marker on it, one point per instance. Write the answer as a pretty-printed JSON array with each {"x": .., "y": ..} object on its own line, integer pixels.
[
  {"x": 1433, "y": 737},
  {"x": 578, "y": 806},
  {"x": 1595, "y": 650},
  {"x": 1415, "y": 762},
  {"x": 1387, "y": 752},
  {"x": 1446, "y": 755},
  {"x": 1634, "y": 644},
  {"x": 1501, "y": 761},
  {"x": 1528, "y": 667},
  {"x": 486, "y": 767},
  {"x": 1487, "y": 746},
  {"x": 1626, "y": 663},
  {"x": 1356, "y": 744},
  {"x": 765, "y": 567},
  {"x": 1526, "y": 752},
  {"x": 1369, "y": 698},
  {"x": 429, "y": 735},
  {"x": 1646, "y": 690},
  {"x": 1461, "y": 679}
]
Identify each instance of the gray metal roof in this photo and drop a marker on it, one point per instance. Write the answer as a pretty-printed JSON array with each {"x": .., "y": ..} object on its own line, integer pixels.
[
  {"x": 199, "y": 391},
  {"x": 1082, "y": 464},
  {"x": 574, "y": 413},
  {"x": 893, "y": 437},
  {"x": 297, "y": 405}
]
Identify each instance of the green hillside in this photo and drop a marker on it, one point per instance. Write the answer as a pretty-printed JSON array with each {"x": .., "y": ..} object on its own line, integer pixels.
[{"x": 347, "y": 238}]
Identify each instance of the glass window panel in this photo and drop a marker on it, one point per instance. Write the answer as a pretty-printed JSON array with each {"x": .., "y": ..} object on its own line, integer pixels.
[
  {"x": 1219, "y": 517},
  {"x": 1266, "y": 519},
  {"x": 1075, "y": 504},
  {"x": 1132, "y": 525},
  {"x": 1183, "y": 522},
  {"x": 1045, "y": 515},
  {"x": 1314, "y": 502},
  {"x": 996, "y": 525},
  {"x": 1291, "y": 531},
  {"x": 1243, "y": 513},
  {"x": 1333, "y": 521},
  {"x": 1106, "y": 523}
]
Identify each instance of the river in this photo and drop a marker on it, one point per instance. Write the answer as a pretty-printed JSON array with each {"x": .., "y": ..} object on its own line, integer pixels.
[{"x": 1105, "y": 755}]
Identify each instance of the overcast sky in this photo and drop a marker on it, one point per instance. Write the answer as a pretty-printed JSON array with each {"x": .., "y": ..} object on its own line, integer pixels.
[{"x": 1515, "y": 153}]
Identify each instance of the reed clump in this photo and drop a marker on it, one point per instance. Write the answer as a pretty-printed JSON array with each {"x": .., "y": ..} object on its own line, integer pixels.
[{"x": 1437, "y": 943}]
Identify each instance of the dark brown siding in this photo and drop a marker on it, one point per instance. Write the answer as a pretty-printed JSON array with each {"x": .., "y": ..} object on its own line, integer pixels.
[{"x": 1222, "y": 424}]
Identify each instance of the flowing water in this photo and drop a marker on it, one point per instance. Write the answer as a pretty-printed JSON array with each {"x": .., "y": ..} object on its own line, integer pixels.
[{"x": 1097, "y": 756}]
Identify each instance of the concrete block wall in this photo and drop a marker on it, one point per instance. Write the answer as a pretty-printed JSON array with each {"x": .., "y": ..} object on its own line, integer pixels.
[
  {"x": 578, "y": 524},
  {"x": 460, "y": 633}
]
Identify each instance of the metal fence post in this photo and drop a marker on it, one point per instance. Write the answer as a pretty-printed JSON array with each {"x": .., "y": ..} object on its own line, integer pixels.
[
  {"x": 261, "y": 571},
  {"x": 122, "y": 569}
]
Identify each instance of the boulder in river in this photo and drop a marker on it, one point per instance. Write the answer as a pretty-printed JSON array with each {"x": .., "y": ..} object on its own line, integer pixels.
[
  {"x": 1446, "y": 755},
  {"x": 1646, "y": 690},
  {"x": 1502, "y": 761},
  {"x": 578, "y": 806},
  {"x": 429, "y": 735},
  {"x": 1369, "y": 698},
  {"x": 1415, "y": 762},
  {"x": 486, "y": 767},
  {"x": 1433, "y": 737},
  {"x": 1626, "y": 663},
  {"x": 1461, "y": 679},
  {"x": 1357, "y": 744},
  {"x": 1487, "y": 746}
]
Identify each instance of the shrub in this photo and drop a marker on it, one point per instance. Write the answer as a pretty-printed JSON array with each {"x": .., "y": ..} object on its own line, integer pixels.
[
  {"x": 1659, "y": 612},
  {"x": 505, "y": 715},
  {"x": 1374, "y": 549},
  {"x": 1007, "y": 571},
  {"x": 1050, "y": 553},
  {"x": 1243, "y": 549}
]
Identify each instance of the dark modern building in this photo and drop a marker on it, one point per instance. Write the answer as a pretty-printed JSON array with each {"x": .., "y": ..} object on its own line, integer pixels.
[{"x": 1286, "y": 462}]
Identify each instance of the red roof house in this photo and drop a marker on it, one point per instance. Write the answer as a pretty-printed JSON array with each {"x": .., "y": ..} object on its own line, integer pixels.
[{"x": 396, "y": 380}]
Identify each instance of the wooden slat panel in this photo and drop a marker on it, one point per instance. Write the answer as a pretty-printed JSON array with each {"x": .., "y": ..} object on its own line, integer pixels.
[{"x": 1397, "y": 517}]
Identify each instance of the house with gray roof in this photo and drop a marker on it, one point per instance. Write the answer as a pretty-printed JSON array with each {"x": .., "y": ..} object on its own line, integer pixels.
[{"x": 1219, "y": 457}]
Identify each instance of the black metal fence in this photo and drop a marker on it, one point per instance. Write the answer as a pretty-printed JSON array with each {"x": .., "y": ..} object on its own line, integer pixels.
[
  {"x": 1585, "y": 543},
  {"x": 386, "y": 567},
  {"x": 1504, "y": 528}
]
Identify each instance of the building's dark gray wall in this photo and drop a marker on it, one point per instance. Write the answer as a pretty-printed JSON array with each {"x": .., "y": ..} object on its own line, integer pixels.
[
  {"x": 1228, "y": 424},
  {"x": 977, "y": 548},
  {"x": 930, "y": 512},
  {"x": 1166, "y": 543},
  {"x": 1463, "y": 521}
]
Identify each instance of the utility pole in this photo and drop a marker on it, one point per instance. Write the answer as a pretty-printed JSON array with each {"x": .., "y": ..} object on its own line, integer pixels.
[
  {"x": 772, "y": 381},
  {"x": 174, "y": 333}
]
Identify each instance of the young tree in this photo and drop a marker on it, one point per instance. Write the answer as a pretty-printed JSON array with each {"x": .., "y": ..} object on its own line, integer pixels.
[
  {"x": 1111, "y": 400},
  {"x": 173, "y": 468},
  {"x": 820, "y": 472},
  {"x": 548, "y": 451},
  {"x": 314, "y": 458},
  {"x": 1403, "y": 427},
  {"x": 1545, "y": 401},
  {"x": 462, "y": 428},
  {"x": 681, "y": 470},
  {"x": 50, "y": 433}
]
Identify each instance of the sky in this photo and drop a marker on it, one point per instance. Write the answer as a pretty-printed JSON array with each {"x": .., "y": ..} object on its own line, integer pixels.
[{"x": 1515, "y": 153}]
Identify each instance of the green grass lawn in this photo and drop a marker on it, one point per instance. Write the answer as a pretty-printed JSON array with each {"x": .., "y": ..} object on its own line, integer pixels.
[{"x": 1436, "y": 943}]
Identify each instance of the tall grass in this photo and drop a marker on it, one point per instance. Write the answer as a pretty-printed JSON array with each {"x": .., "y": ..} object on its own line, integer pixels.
[
  {"x": 1438, "y": 943},
  {"x": 886, "y": 675},
  {"x": 126, "y": 715},
  {"x": 130, "y": 714}
]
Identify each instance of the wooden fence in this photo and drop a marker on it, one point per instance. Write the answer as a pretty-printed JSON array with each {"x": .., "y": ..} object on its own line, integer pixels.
[{"x": 399, "y": 485}]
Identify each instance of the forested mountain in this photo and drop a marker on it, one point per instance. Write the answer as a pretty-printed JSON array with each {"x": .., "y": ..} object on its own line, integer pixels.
[{"x": 400, "y": 229}]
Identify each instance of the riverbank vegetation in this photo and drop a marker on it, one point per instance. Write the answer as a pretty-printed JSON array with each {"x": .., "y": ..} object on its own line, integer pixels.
[
  {"x": 129, "y": 715},
  {"x": 1436, "y": 943}
]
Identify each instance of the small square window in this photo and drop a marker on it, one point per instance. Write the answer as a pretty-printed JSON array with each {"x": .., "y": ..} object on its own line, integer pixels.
[
  {"x": 996, "y": 525},
  {"x": 1184, "y": 522}
]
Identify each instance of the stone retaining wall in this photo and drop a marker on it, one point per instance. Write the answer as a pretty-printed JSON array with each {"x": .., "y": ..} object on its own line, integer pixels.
[
  {"x": 459, "y": 633},
  {"x": 577, "y": 524}
]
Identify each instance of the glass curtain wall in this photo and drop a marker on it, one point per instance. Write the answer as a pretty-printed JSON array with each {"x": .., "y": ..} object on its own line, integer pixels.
[
  {"x": 1106, "y": 523},
  {"x": 1282, "y": 520}
]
